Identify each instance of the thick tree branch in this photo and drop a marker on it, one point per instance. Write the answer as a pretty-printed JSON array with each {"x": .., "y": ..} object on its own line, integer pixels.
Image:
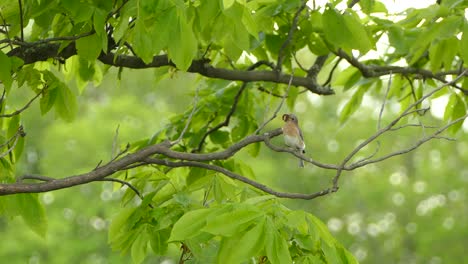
[
  {"x": 42, "y": 51},
  {"x": 127, "y": 162}
]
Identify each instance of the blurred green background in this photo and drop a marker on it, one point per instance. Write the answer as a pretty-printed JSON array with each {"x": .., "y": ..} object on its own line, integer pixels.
[{"x": 409, "y": 209}]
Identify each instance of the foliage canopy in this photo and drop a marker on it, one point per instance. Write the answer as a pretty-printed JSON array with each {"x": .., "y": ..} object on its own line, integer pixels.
[{"x": 250, "y": 57}]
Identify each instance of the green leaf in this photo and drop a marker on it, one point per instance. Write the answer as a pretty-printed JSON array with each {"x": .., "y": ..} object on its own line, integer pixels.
[
  {"x": 233, "y": 221},
  {"x": 353, "y": 104},
  {"x": 228, "y": 3},
  {"x": 184, "y": 45},
  {"x": 142, "y": 41},
  {"x": 243, "y": 246},
  {"x": 464, "y": 43},
  {"x": 345, "y": 31},
  {"x": 276, "y": 246},
  {"x": 158, "y": 241},
  {"x": 5, "y": 70},
  {"x": 190, "y": 224},
  {"x": 47, "y": 100},
  {"x": 32, "y": 212},
  {"x": 119, "y": 223},
  {"x": 89, "y": 47},
  {"x": 347, "y": 78},
  {"x": 455, "y": 109},
  {"x": 291, "y": 99},
  {"x": 361, "y": 40},
  {"x": 140, "y": 246},
  {"x": 65, "y": 103},
  {"x": 220, "y": 137}
]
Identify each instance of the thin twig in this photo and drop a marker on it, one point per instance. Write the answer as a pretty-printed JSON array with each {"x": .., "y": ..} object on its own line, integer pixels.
[
  {"x": 17, "y": 112},
  {"x": 292, "y": 29},
  {"x": 330, "y": 75},
  {"x": 115, "y": 141},
  {"x": 277, "y": 109},
  {"x": 19, "y": 133},
  {"x": 384, "y": 102},
  {"x": 189, "y": 119},
  {"x": 385, "y": 129},
  {"x": 129, "y": 185}
]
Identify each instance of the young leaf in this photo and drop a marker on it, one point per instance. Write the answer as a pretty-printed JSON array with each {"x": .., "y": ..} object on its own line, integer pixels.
[
  {"x": 229, "y": 223},
  {"x": 32, "y": 212},
  {"x": 183, "y": 48},
  {"x": 275, "y": 245},
  {"x": 65, "y": 104},
  {"x": 190, "y": 224},
  {"x": 89, "y": 47},
  {"x": 243, "y": 245},
  {"x": 140, "y": 246},
  {"x": 352, "y": 105}
]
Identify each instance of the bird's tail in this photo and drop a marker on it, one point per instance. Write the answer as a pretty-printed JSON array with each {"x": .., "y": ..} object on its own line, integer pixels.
[{"x": 301, "y": 163}]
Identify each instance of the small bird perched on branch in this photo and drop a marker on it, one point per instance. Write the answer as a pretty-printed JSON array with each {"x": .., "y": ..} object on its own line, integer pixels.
[{"x": 293, "y": 135}]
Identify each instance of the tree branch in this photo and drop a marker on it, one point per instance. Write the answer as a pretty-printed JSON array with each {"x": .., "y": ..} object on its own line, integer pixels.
[
  {"x": 40, "y": 51},
  {"x": 377, "y": 71}
]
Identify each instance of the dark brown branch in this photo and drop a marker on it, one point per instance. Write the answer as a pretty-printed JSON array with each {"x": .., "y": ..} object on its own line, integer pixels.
[
  {"x": 317, "y": 67},
  {"x": 330, "y": 75},
  {"x": 129, "y": 161},
  {"x": 41, "y": 51}
]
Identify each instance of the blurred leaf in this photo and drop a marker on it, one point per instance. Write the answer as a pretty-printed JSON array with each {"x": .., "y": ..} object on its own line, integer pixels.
[
  {"x": 464, "y": 43},
  {"x": 5, "y": 70},
  {"x": 353, "y": 104},
  {"x": 65, "y": 103},
  {"x": 32, "y": 212}
]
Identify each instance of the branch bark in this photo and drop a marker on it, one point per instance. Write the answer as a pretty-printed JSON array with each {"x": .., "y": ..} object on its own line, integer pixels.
[{"x": 41, "y": 51}]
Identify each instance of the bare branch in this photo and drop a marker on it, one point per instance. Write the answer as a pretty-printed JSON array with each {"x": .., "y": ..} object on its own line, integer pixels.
[
  {"x": 381, "y": 131},
  {"x": 389, "y": 84},
  {"x": 435, "y": 135}
]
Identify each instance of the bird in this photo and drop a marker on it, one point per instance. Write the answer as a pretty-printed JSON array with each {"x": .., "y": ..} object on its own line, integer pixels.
[{"x": 293, "y": 135}]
